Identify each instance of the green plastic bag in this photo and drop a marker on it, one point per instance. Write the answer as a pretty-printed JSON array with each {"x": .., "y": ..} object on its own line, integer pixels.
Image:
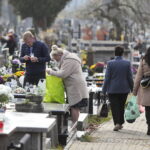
[
  {"x": 132, "y": 110},
  {"x": 54, "y": 90}
]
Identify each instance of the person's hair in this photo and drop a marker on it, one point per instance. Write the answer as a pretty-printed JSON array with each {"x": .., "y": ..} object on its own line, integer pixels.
[
  {"x": 56, "y": 50},
  {"x": 27, "y": 34},
  {"x": 32, "y": 30},
  {"x": 147, "y": 56},
  {"x": 47, "y": 39},
  {"x": 119, "y": 50}
]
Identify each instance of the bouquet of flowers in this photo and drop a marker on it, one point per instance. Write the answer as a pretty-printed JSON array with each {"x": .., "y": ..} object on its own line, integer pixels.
[
  {"x": 19, "y": 90},
  {"x": 6, "y": 77},
  {"x": 5, "y": 94},
  {"x": 19, "y": 73}
]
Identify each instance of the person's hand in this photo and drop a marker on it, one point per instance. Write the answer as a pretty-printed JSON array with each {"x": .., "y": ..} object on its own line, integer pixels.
[
  {"x": 134, "y": 94},
  {"x": 48, "y": 70},
  {"x": 55, "y": 69},
  {"x": 26, "y": 57},
  {"x": 34, "y": 59}
]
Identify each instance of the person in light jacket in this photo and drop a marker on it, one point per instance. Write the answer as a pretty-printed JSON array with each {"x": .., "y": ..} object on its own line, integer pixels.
[
  {"x": 143, "y": 94},
  {"x": 70, "y": 71},
  {"x": 118, "y": 83}
]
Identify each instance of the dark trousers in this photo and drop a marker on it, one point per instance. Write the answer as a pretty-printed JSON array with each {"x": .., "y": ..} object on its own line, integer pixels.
[
  {"x": 117, "y": 104},
  {"x": 33, "y": 79},
  {"x": 147, "y": 114}
]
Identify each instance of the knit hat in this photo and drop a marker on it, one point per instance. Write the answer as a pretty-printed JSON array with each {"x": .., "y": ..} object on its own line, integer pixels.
[{"x": 56, "y": 50}]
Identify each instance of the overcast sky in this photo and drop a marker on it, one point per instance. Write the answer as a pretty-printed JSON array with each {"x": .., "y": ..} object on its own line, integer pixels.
[{"x": 74, "y": 4}]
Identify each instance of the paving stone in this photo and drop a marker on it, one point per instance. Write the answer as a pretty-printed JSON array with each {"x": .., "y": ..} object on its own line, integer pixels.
[{"x": 131, "y": 137}]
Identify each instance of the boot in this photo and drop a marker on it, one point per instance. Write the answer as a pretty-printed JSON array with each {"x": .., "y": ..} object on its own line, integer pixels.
[
  {"x": 148, "y": 131},
  {"x": 117, "y": 127}
]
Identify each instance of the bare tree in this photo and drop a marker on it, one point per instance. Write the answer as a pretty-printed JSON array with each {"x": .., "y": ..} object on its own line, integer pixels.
[{"x": 119, "y": 12}]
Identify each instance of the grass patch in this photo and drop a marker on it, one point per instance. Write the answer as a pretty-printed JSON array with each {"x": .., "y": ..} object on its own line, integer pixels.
[
  {"x": 59, "y": 147},
  {"x": 96, "y": 120},
  {"x": 86, "y": 138}
]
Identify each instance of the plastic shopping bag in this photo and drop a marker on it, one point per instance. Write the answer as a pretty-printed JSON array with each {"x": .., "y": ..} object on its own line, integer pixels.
[
  {"x": 54, "y": 90},
  {"x": 132, "y": 110}
]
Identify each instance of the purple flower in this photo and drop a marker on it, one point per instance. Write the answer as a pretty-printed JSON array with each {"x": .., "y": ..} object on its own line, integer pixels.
[{"x": 16, "y": 61}]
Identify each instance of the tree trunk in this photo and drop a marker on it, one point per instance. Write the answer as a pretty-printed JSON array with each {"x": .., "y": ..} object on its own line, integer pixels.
[
  {"x": 118, "y": 33},
  {"x": 119, "y": 29},
  {"x": 42, "y": 22},
  {"x": 35, "y": 26}
]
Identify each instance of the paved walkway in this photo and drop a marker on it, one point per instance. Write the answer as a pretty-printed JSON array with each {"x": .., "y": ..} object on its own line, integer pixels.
[{"x": 131, "y": 137}]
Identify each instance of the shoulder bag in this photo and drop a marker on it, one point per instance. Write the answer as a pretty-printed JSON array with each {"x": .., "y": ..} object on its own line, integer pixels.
[{"x": 145, "y": 82}]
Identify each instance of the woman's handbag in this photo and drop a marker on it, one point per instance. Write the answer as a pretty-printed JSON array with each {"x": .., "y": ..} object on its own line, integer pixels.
[
  {"x": 145, "y": 82},
  {"x": 105, "y": 110},
  {"x": 132, "y": 110},
  {"x": 105, "y": 107}
]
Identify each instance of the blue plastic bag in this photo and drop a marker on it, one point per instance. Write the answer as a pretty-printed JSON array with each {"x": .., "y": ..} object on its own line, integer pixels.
[{"x": 132, "y": 110}]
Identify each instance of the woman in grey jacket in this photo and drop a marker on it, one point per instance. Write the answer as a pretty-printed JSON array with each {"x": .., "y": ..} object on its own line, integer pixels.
[
  {"x": 71, "y": 72},
  {"x": 143, "y": 94}
]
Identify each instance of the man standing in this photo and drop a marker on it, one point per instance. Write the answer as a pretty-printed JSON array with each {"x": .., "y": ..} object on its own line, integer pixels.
[
  {"x": 35, "y": 54},
  {"x": 118, "y": 83}
]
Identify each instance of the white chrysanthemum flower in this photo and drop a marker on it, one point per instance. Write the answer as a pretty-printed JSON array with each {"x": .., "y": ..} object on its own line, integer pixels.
[{"x": 5, "y": 90}]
